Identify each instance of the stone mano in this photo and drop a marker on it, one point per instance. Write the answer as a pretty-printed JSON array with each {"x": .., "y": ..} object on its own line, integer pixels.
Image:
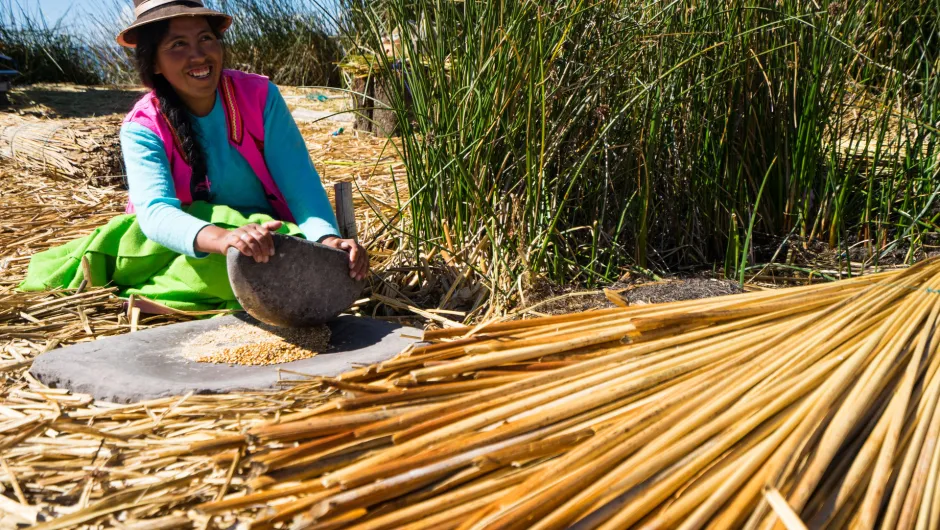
[{"x": 304, "y": 284}]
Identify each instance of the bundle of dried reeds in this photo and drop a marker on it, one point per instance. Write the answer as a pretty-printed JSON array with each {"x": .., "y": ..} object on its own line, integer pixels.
[
  {"x": 656, "y": 415},
  {"x": 86, "y": 149},
  {"x": 814, "y": 404}
]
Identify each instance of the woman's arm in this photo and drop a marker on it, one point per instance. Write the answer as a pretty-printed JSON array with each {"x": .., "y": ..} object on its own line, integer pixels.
[
  {"x": 158, "y": 210},
  {"x": 153, "y": 194},
  {"x": 289, "y": 162},
  {"x": 251, "y": 240}
]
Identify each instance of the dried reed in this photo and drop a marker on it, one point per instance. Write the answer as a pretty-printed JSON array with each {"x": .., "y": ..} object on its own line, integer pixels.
[
  {"x": 84, "y": 149},
  {"x": 670, "y": 415},
  {"x": 816, "y": 402}
]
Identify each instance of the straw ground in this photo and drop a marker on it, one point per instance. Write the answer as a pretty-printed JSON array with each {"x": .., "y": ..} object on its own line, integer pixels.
[
  {"x": 653, "y": 415},
  {"x": 286, "y": 457},
  {"x": 45, "y": 205}
]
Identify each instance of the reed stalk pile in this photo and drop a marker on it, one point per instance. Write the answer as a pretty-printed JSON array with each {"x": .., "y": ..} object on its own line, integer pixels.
[
  {"x": 85, "y": 149},
  {"x": 821, "y": 398},
  {"x": 815, "y": 403},
  {"x": 670, "y": 415}
]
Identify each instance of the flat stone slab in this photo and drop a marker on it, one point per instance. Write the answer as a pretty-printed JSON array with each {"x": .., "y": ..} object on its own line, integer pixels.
[{"x": 150, "y": 364}]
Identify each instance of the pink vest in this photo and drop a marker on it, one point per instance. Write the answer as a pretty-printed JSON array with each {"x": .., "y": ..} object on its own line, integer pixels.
[{"x": 244, "y": 97}]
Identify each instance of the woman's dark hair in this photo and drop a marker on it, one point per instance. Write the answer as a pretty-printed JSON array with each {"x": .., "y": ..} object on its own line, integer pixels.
[{"x": 172, "y": 106}]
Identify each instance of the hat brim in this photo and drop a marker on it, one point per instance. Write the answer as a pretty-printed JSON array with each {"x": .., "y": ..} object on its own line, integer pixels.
[{"x": 128, "y": 37}]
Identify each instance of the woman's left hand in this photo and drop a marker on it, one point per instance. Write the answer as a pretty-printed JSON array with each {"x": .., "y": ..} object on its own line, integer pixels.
[{"x": 358, "y": 257}]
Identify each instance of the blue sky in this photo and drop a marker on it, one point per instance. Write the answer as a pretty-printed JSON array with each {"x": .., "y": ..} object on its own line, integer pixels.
[
  {"x": 77, "y": 14},
  {"x": 80, "y": 12},
  {"x": 53, "y": 10}
]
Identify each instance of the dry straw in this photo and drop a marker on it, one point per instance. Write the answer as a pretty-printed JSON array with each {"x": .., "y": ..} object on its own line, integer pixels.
[
  {"x": 813, "y": 405},
  {"x": 82, "y": 149}
]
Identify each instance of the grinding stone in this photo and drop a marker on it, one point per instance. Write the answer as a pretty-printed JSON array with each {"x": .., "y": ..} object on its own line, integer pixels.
[
  {"x": 304, "y": 284},
  {"x": 150, "y": 364}
]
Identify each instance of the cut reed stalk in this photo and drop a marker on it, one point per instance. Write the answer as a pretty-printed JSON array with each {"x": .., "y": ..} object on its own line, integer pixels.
[{"x": 826, "y": 393}]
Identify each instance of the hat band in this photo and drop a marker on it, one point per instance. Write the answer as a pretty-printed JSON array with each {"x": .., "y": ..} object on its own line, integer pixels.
[{"x": 150, "y": 5}]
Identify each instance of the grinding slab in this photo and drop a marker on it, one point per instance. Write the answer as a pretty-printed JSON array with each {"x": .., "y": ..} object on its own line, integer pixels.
[
  {"x": 150, "y": 364},
  {"x": 304, "y": 284}
]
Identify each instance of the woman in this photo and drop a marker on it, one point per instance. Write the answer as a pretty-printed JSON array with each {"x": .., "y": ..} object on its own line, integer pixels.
[
  {"x": 179, "y": 55},
  {"x": 214, "y": 160}
]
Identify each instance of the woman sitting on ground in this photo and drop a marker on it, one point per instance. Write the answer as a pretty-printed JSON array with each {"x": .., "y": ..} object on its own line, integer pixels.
[{"x": 214, "y": 160}]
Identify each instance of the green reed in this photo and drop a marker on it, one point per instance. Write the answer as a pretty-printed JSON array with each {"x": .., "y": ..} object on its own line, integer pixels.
[
  {"x": 290, "y": 42},
  {"x": 44, "y": 51},
  {"x": 577, "y": 139}
]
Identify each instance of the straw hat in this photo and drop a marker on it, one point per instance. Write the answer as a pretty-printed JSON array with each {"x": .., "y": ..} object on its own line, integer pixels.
[{"x": 147, "y": 11}]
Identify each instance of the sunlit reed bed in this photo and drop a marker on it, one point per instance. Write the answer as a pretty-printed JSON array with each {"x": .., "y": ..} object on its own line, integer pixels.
[{"x": 578, "y": 140}]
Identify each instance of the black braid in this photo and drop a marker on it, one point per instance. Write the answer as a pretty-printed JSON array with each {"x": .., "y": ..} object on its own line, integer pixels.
[{"x": 172, "y": 106}]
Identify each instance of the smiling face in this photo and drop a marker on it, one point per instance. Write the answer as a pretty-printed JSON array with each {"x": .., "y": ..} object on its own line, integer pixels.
[{"x": 190, "y": 58}]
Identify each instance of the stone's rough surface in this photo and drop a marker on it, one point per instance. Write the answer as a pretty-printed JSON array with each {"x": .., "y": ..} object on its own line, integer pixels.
[
  {"x": 304, "y": 284},
  {"x": 151, "y": 363}
]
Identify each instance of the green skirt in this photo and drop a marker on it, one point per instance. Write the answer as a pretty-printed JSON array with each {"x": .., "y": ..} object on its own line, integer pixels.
[{"x": 120, "y": 255}]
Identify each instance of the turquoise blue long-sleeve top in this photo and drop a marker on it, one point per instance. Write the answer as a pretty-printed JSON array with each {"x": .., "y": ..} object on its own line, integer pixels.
[{"x": 234, "y": 184}]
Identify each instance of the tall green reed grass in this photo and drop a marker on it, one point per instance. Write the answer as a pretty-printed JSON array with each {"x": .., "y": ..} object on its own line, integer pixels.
[
  {"x": 577, "y": 139},
  {"x": 45, "y": 51},
  {"x": 288, "y": 41}
]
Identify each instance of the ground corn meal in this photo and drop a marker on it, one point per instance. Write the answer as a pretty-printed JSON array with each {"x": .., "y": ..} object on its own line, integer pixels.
[{"x": 257, "y": 344}]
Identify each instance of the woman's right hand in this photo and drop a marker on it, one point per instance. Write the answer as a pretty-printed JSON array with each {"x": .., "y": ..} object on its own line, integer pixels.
[{"x": 251, "y": 240}]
